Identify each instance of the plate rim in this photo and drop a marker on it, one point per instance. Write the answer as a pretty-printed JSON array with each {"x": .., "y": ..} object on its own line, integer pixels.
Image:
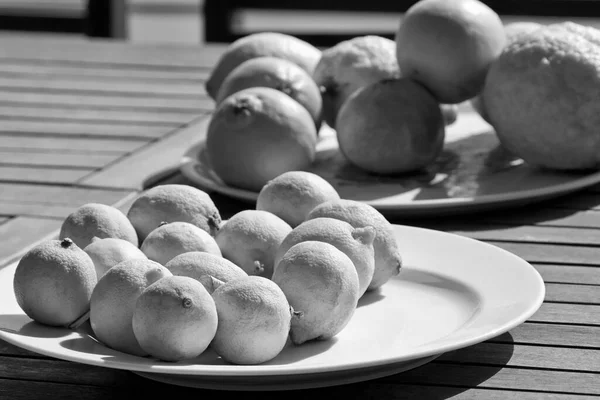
[
  {"x": 189, "y": 160},
  {"x": 426, "y": 350}
]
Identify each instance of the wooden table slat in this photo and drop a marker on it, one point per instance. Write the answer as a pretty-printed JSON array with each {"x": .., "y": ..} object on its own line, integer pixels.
[
  {"x": 59, "y": 195},
  {"x": 42, "y": 174},
  {"x": 20, "y": 233},
  {"x": 546, "y": 215},
  {"x": 129, "y": 88},
  {"x": 59, "y": 211},
  {"x": 552, "y": 253},
  {"x": 561, "y": 313},
  {"x": 103, "y": 101},
  {"x": 569, "y": 274},
  {"x": 23, "y": 68},
  {"x": 84, "y": 145},
  {"x": 523, "y": 233},
  {"x": 56, "y": 158},
  {"x": 540, "y": 380},
  {"x": 584, "y": 294},
  {"x": 68, "y": 114},
  {"x": 41, "y": 48},
  {"x": 552, "y": 335},
  {"x": 514, "y": 355},
  {"x": 81, "y": 129},
  {"x": 146, "y": 163}
]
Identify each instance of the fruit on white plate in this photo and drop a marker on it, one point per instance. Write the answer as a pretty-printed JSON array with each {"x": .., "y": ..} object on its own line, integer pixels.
[
  {"x": 97, "y": 220},
  {"x": 292, "y": 195},
  {"x": 108, "y": 252},
  {"x": 257, "y": 134},
  {"x": 273, "y": 44},
  {"x": 350, "y": 65},
  {"x": 356, "y": 243},
  {"x": 448, "y": 46},
  {"x": 53, "y": 282},
  {"x": 254, "y": 320},
  {"x": 203, "y": 266},
  {"x": 250, "y": 239},
  {"x": 321, "y": 282},
  {"x": 113, "y": 302},
  {"x": 175, "y": 319},
  {"x": 388, "y": 258},
  {"x": 391, "y": 127},
  {"x": 276, "y": 73},
  {"x": 171, "y": 203},
  {"x": 171, "y": 239},
  {"x": 540, "y": 96}
]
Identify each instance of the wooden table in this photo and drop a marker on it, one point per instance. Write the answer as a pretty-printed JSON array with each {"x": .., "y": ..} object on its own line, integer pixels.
[{"x": 99, "y": 121}]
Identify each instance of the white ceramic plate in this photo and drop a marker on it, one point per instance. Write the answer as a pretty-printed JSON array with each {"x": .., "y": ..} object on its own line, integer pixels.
[
  {"x": 453, "y": 292},
  {"x": 473, "y": 173}
]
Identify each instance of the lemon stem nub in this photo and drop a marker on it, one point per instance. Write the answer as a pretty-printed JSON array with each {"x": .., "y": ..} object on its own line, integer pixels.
[
  {"x": 187, "y": 302},
  {"x": 79, "y": 321},
  {"x": 66, "y": 243},
  {"x": 296, "y": 314},
  {"x": 258, "y": 267}
]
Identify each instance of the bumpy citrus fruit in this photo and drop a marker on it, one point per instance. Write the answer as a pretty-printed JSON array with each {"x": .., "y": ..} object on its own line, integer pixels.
[
  {"x": 251, "y": 238},
  {"x": 175, "y": 238},
  {"x": 53, "y": 282},
  {"x": 97, "y": 220},
  {"x": 352, "y": 64},
  {"x": 276, "y": 73},
  {"x": 171, "y": 203},
  {"x": 254, "y": 320},
  {"x": 113, "y": 302},
  {"x": 260, "y": 44},
  {"x": 108, "y": 252},
  {"x": 541, "y": 97},
  {"x": 356, "y": 243},
  {"x": 448, "y": 45},
  {"x": 391, "y": 127},
  {"x": 175, "y": 318},
  {"x": 292, "y": 195},
  {"x": 388, "y": 260},
  {"x": 319, "y": 281},
  {"x": 257, "y": 134},
  {"x": 513, "y": 30},
  {"x": 203, "y": 266}
]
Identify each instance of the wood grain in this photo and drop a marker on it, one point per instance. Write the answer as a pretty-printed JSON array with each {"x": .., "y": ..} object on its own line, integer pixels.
[
  {"x": 83, "y": 85},
  {"x": 83, "y": 129},
  {"x": 20, "y": 233},
  {"x": 52, "y": 68},
  {"x": 68, "y": 114},
  {"x": 553, "y": 335},
  {"x": 541, "y": 380},
  {"x": 159, "y": 158},
  {"x": 555, "y": 358},
  {"x": 552, "y": 253},
  {"x": 523, "y": 233},
  {"x": 26, "y": 390},
  {"x": 568, "y": 314},
  {"x": 547, "y": 216},
  {"x": 103, "y": 101},
  {"x": 56, "y": 159},
  {"x": 73, "y": 196},
  {"x": 583, "y": 294},
  {"x": 42, "y": 174},
  {"x": 86, "y": 145},
  {"x": 568, "y": 274},
  {"x": 42, "y": 48}
]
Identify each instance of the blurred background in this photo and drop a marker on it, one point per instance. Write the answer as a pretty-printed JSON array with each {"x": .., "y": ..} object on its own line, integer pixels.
[{"x": 322, "y": 22}]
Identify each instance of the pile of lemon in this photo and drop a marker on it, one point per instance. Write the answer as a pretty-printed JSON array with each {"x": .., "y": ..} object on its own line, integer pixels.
[
  {"x": 169, "y": 278},
  {"x": 390, "y": 101}
]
